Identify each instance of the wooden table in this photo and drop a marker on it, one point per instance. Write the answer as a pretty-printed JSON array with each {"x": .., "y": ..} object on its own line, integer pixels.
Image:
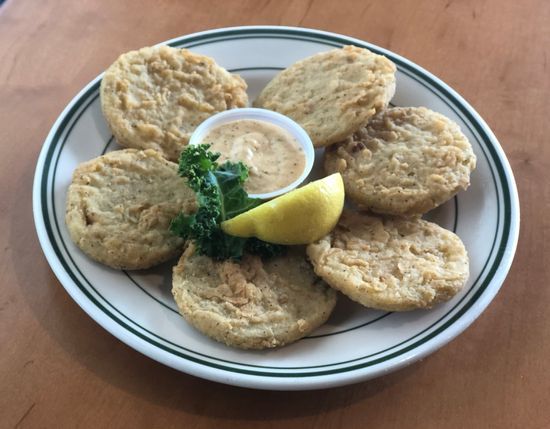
[{"x": 60, "y": 369}]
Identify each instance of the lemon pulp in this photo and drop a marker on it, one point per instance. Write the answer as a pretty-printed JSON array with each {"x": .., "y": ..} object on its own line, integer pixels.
[{"x": 302, "y": 216}]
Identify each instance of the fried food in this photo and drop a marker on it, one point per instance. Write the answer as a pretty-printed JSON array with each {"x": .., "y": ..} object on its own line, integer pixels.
[
  {"x": 154, "y": 98},
  {"x": 332, "y": 94},
  {"x": 252, "y": 304},
  {"x": 119, "y": 208},
  {"x": 397, "y": 161},
  {"x": 406, "y": 161},
  {"x": 391, "y": 264}
]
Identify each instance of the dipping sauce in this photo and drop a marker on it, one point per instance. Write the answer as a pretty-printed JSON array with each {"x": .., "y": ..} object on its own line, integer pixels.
[{"x": 274, "y": 157}]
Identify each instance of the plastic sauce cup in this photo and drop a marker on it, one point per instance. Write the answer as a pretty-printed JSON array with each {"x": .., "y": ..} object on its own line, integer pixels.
[{"x": 271, "y": 117}]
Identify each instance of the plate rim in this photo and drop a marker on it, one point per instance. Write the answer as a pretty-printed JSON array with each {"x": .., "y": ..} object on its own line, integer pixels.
[{"x": 288, "y": 382}]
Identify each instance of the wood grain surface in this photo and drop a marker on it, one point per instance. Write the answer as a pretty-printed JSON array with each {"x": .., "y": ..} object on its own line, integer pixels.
[{"x": 59, "y": 369}]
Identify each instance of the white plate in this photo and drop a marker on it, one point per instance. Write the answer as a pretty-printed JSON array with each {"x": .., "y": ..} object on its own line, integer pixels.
[{"x": 356, "y": 344}]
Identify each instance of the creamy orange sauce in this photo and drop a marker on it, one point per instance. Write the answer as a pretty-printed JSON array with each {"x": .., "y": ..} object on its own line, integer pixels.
[{"x": 274, "y": 157}]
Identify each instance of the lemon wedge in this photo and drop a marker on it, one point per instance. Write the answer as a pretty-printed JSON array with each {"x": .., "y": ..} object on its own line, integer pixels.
[{"x": 302, "y": 216}]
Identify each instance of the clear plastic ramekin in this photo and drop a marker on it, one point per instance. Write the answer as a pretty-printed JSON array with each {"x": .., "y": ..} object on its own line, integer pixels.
[{"x": 271, "y": 117}]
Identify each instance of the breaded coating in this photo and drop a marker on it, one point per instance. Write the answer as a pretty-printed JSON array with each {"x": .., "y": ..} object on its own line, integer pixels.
[
  {"x": 252, "y": 304},
  {"x": 154, "y": 98},
  {"x": 406, "y": 161},
  {"x": 391, "y": 264},
  {"x": 332, "y": 94},
  {"x": 119, "y": 208}
]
